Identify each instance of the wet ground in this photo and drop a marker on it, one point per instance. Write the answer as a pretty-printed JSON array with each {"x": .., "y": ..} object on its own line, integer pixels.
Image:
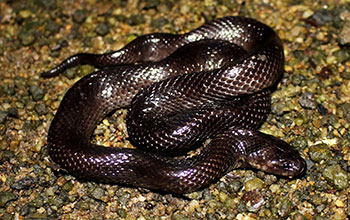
[{"x": 311, "y": 110}]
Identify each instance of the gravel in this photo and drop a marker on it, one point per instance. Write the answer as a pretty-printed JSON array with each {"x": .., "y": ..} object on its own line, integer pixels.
[{"x": 310, "y": 110}]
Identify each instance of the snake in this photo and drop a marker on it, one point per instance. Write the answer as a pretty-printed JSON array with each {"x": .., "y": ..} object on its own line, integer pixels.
[{"x": 195, "y": 102}]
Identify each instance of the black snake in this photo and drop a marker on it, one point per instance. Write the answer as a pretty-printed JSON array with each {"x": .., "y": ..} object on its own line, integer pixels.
[{"x": 181, "y": 89}]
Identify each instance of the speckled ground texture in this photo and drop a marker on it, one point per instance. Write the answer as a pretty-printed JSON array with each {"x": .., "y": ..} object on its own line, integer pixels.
[{"x": 311, "y": 110}]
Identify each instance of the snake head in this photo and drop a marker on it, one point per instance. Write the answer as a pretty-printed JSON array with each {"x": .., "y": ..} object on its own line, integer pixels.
[{"x": 277, "y": 157}]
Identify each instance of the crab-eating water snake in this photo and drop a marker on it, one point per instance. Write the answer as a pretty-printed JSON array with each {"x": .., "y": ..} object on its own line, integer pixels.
[{"x": 213, "y": 82}]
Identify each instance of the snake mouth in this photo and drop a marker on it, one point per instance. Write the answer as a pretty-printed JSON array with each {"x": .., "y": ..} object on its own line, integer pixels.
[
  {"x": 290, "y": 168},
  {"x": 277, "y": 157}
]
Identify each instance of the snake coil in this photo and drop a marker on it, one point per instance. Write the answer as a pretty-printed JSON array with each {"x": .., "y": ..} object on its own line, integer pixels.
[{"x": 181, "y": 89}]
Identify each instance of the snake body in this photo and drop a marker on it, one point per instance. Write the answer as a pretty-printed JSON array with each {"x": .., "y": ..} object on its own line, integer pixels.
[{"x": 181, "y": 89}]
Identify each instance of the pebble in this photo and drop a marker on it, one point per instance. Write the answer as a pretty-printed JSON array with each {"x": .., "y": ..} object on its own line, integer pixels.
[
  {"x": 24, "y": 183},
  {"x": 299, "y": 142},
  {"x": 68, "y": 186},
  {"x": 285, "y": 208},
  {"x": 38, "y": 26},
  {"x": 5, "y": 197},
  {"x": 136, "y": 19},
  {"x": 6, "y": 155},
  {"x": 36, "y": 92},
  {"x": 345, "y": 108},
  {"x": 159, "y": 23},
  {"x": 151, "y": 4},
  {"x": 80, "y": 15},
  {"x": 97, "y": 193},
  {"x": 102, "y": 29},
  {"x": 344, "y": 35},
  {"x": 322, "y": 16},
  {"x": 321, "y": 109},
  {"x": 47, "y": 4},
  {"x": 179, "y": 216},
  {"x": 52, "y": 28},
  {"x": 41, "y": 109},
  {"x": 84, "y": 70},
  {"x": 26, "y": 33},
  {"x": 308, "y": 101},
  {"x": 336, "y": 177},
  {"x": 320, "y": 152},
  {"x": 3, "y": 116},
  {"x": 342, "y": 55},
  {"x": 253, "y": 184}
]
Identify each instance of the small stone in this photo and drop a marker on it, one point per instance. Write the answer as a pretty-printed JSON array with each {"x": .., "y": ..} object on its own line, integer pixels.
[
  {"x": 102, "y": 29},
  {"x": 322, "y": 16},
  {"x": 27, "y": 33},
  {"x": 321, "y": 109},
  {"x": 336, "y": 177},
  {"x": 121, "y": 212},
  {"x": 339, "y": 203},
  {"x": 184, "y": 9},
  {"x": 84, "y": 206},
  {"x": 41, "y": 108},
  {"x": 136, "y": 19},
  {"x": 98, "y": 193},
  {"x": 26, "y": 37},
  {"x": 52, "y": 28},
  {"x": 79, "y": 16},
  {"x": 297, "y": 79},
  {"x": 344, "y": 36},
  {"x": 70, "y": 73},
  {"x": 6, "y": 155},
  {"x": 47, "y": 4},
  {"x": 151, "y": 4},
  {"x": 179, "y": 216},
  {"x": 6, "y": 197},
  {"x": 13, "y": 112},
  {"x": 223, "y": 196},
  {"x": 345, "y": 108},
  {"x": 159, "y": 23},
  {"x": 50, "y": 191},
  {"x": 68, "y": 186},
  {"x": 193, "y": 205},
  {"x": 254, "y": 183},
  {"x": 286, "y": 208},
  {"x": 300, "y": 119},
  {"x": 299, "y": 142},
  {"x": 3, "y": 116},
  {"x": 307, "y": 101},
  {"x": 320, "y": 152},
  {"x": 24, "y": 183},
  {"x": 84, "y": 70},
  {"x": 38, "y": 202},
  {"x": 342, "y": 55},
  {"x": 36, "y": 93},
  {"x": 25, "y": 13}
]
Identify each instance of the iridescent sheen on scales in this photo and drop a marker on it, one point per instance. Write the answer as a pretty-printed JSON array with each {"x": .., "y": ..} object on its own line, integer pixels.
[{"x": 180, "y": 89}]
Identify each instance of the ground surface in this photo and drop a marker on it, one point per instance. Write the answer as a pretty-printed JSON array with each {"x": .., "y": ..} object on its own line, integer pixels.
[{"x": 311, "y": 109}]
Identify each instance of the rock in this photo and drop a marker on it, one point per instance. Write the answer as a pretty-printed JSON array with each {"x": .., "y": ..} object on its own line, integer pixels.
[
  {"x": 5, "y": 197},
  {"x": 320, "y": 152},
  {"x": 36, "y": 92},
  {"x": 344, "y": 36},
  {"x": 307, "y": 101},
  {"x": 102, "y": 29},
  {"x": 336, "y": 177}
]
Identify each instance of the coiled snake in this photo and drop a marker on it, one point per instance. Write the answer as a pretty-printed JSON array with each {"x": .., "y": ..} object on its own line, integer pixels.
[{"x": 212, "y": 82}]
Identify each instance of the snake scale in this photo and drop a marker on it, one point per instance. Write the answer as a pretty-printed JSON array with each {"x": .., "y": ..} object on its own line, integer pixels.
[{"x": 213, "y": 82}]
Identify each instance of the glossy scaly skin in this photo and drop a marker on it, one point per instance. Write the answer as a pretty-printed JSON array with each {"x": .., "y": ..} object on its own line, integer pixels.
[{"x": 212, "y": 82}]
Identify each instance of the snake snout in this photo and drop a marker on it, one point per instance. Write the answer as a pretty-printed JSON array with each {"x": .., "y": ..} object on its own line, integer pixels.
[
  {"x": 290, "y": 165},
  {"x": 277, "y": 157}
]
